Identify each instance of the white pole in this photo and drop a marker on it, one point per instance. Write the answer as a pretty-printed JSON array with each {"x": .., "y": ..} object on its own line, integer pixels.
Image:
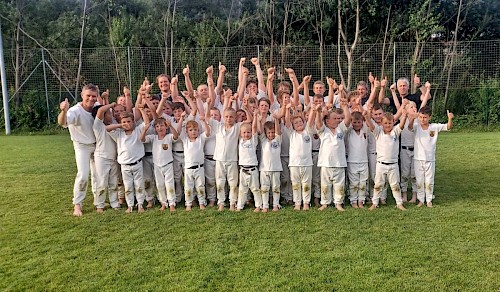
[
  {"x": 5, "y": 92},
  {"x": 46, "y": 92}
]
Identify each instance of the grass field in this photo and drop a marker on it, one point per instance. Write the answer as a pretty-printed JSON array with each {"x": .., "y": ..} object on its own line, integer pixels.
[{"x": 453, "y": 246}]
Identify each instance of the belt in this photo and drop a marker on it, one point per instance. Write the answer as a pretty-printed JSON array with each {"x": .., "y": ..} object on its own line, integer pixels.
[
  {"x": 247, "y": 169},
  {"x": 407, "y": 148},
  {"x": 134, "y": 163},
  {"x": 195, "y": 166},
  {"x": 314, "y": 151},
  {"x": 148, "y": 154},
  {"x": 209, "y": 157},
  {"x": 386, "y": 163},
  {"x": 375, "y": 153},
  {"x": 178, "y": 151}
]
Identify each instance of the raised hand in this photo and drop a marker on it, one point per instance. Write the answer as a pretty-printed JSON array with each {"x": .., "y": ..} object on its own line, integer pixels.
[
  {"x": 64, "y": 106},
  {"x": 126, "y": 91},
  {"x": 105, "y": 94},
  {"x": 210, "y": 70},
  {"x": 307, "y": 79},
  {"x": 450, "y": 114},
  {"x": 174, "y": 80},
  {"x": 383, "y": 82},
  {"x": 376, "y": 83},
  {"x": 270, "y": 73},
  {"x": 371, "y": 78},
  {"x": 255, "y": 61},
  {"x": 242, "y": 61},
  {"x": 245, "y": 71},
  {"x": 428, "y": 85},
  {"x": 393, "y": 87},
  {"x": 416, "y": 79},
  {"x": 222, "y": 68},
  {"x": 290, "y": 71},
  {"x": 185, "y": 71}
]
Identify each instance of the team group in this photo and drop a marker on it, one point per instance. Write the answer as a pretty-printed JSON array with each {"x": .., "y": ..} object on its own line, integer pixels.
[{"x": 204, "y": 145}]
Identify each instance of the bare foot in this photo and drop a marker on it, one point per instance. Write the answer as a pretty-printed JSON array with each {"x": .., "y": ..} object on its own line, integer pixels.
[
  {"x": 140, "y": 209},
  {"x": 339, "y": 207},
  {"x": 265, "y": 210},
  {"x": 276, "y": 209},
  {"x": 361, "y": 204},
  {"x": 413, "y": 199},
  {"x": 420, "y": 204},
  {"x": 323, "y": 207},
  {"x": 404, "y": 197},
  {"x": 172, "y": 208},
  {"x": 256, "y": 210},
  {"x": 382, "y": 202},
  {"x": 354, "y": 205},
  {"x": 429, "y": 204},
  {"x": 221, "y": 207},
  {"x": 306, "y": 207},
  {"x": 316, "y": 202},
  {"x": 202, "y": 207},
  {"x": 297, "y": 207},
  {"x": 150, "y": 204},
  {"x": 77, "y": 210},
  {"x": 129, "y": 210},
  {"x": 232, "y": 207},
  {"x": 100, "y": 210},
  {"x": 211, "y": 203},
  {"x": 163, "y": 207},
  {"x": 401, "y": 207},
  {"x": 373, "y": 207},
  {"x": 188, "y": 208}
]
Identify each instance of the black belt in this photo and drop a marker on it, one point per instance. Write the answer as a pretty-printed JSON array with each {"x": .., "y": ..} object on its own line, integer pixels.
[
  {"x": 178, "y": 151},
  {"x": 211, "y": 158},
  {"x": 373, "y": 153},
  {"x": 387, "y": 163},
  {"x": 195, "y": 166},
  {"x": 407, "y": 148},
  {"x": 248, "y": 169},
  {"x": 148, "y": 154},
  {"x": 134, "y": 163},
  {"x": 314, "y": 151}
]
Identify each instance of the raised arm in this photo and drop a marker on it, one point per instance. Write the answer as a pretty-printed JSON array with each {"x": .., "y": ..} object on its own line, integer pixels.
[
  {"x": 129, "y": 105},
  {"x": 146, "y": 126},
  {"x": 373, "y": 93},
  {"x": 277, "y": 126},
  {"x": 259, "y": 123},
  {"x": 288, "y": 123},
  {"x": 399, "y": 113},
  {"x": 205, "y": 126},
  {"x": 174, "y": 89},
  {"x": 450, "y": 118},
  {"x": 381, "y": 96},
  {"x": 179, "y": 125},
  {"x": 189, "y": 85},
  {"x": 220, "y": 79},
  {"x": 312, "y": 115},
  {"x": 295, "y": 82},
  {"x": 394, "y": 96},
  {"x": 345, "y": 107},
  {"x": 260, "y": 75},
  {"x": 319, "y": 118},
  {"x": 270, "y": 79},
  {"x": 368, "y": 119},
  {"x": 255, "y": 121},
  {"x": 305, "y": 82},
  {"x": 402, "y": 122},
  {"x": 427, "y": 95},
  {"x": 332, "y": 87},
  {"x": 103, "y": 109},
  {"x": 61, "y": 118},
  {"x": 104, "y": 97}
]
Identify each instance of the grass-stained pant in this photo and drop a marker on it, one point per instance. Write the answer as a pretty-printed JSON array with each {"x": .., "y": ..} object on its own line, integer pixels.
[
  {"x": 358, "y": 178},
  {"x": 301, "y": 177},
  {"x": 372, "y": 166},
  {"x": 270, "y": 181},
  {"x": 387, "y": 173},
  {"x": 332, "y": 177},
  {"x": 194, "y": 179},
  {"x": 407, "y": 170},
  {"x": 226, "y": 171},
  {"x": 164, "y": 176},
  {"x": 84, "y": 156},
  {"x": 133, "y": 181},
  {"x": 178, "y": 173},
  {"x": 424, "y": 173},
  {"x": 149, "y": 178},
  {"x": 106, "y": 180},
  {"x": 249, "y": 180},
  {"x": 210, "y": 185},
  {"x": 286, "y": 184}
]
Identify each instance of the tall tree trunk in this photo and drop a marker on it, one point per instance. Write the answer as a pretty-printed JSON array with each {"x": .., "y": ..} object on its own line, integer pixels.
[
  {"x": 453, "y": 54},
  {"x": 81, "y": 46},
  {"x": 382, "y": 70}
]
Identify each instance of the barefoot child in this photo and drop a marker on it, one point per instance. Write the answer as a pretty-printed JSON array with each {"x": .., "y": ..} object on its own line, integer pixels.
[
  {"x": 130, "y": 154},
  {"x": 387, "y": 169},
  {"x": 357, "y": 160},
  {"x": 425, "y": 152},
  {"x": 194, "y": 172},
  {"x": 332, "y": 158},
  {"x": 161, "y": 143},
  {"x": 247, "y": 160},
  {"x": 270, "y": 163},
  {"x": 107, "y": 168}
]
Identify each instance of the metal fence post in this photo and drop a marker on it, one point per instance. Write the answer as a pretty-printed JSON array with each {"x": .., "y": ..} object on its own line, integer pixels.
[
  {"x": 45, "y": 82},
  {"x": 129, "y": 70},
  {"x": 394, "y": 64},
  {"x": 258, "y": 52},
  {"x": 5, "y": 92}
]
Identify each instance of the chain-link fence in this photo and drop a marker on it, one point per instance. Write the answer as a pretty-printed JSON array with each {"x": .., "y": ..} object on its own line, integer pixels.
[{"x": 51, "y": 75}]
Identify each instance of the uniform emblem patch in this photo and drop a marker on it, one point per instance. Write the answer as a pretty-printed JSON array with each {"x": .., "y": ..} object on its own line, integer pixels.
[
  {"x": 275, "y": 145},
  {"x": 340, "y": 136},
  {"x": 432, "y": 133},
  {"x": 307, "y": 139},
  {"x": 164, "y": 146}
]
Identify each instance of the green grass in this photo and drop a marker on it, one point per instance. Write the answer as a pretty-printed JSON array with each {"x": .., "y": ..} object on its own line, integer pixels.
[{"x": 453, "y": 246}]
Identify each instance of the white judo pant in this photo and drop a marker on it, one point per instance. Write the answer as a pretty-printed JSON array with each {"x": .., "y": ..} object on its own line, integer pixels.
[
  {"x": 149, "y": 178},
  {"x": 226, "y": 171},
  {"x": 301, "y": 177},
  {"x": 194, "y": 179},
  {"x": 164, "y": 177},
  {"x": 133, "y": 181},
  {"x": 424, "y": 173},
  {"x": 332, "y": 177},
  {"x": 210, "y": 185},
  {"x": 286, "y": 184},
  {"x": 358, "y": 179},
  {"x": 270, "y": 181},
  {"x": 106, "y": 180},
  {"x": 249, "y": 180},
  {"x": 178, "y": 173},
  {"x": 407, "y": 170},
  {"x": 387, "y": 173},
  {"x": 84, "y": 156}
]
